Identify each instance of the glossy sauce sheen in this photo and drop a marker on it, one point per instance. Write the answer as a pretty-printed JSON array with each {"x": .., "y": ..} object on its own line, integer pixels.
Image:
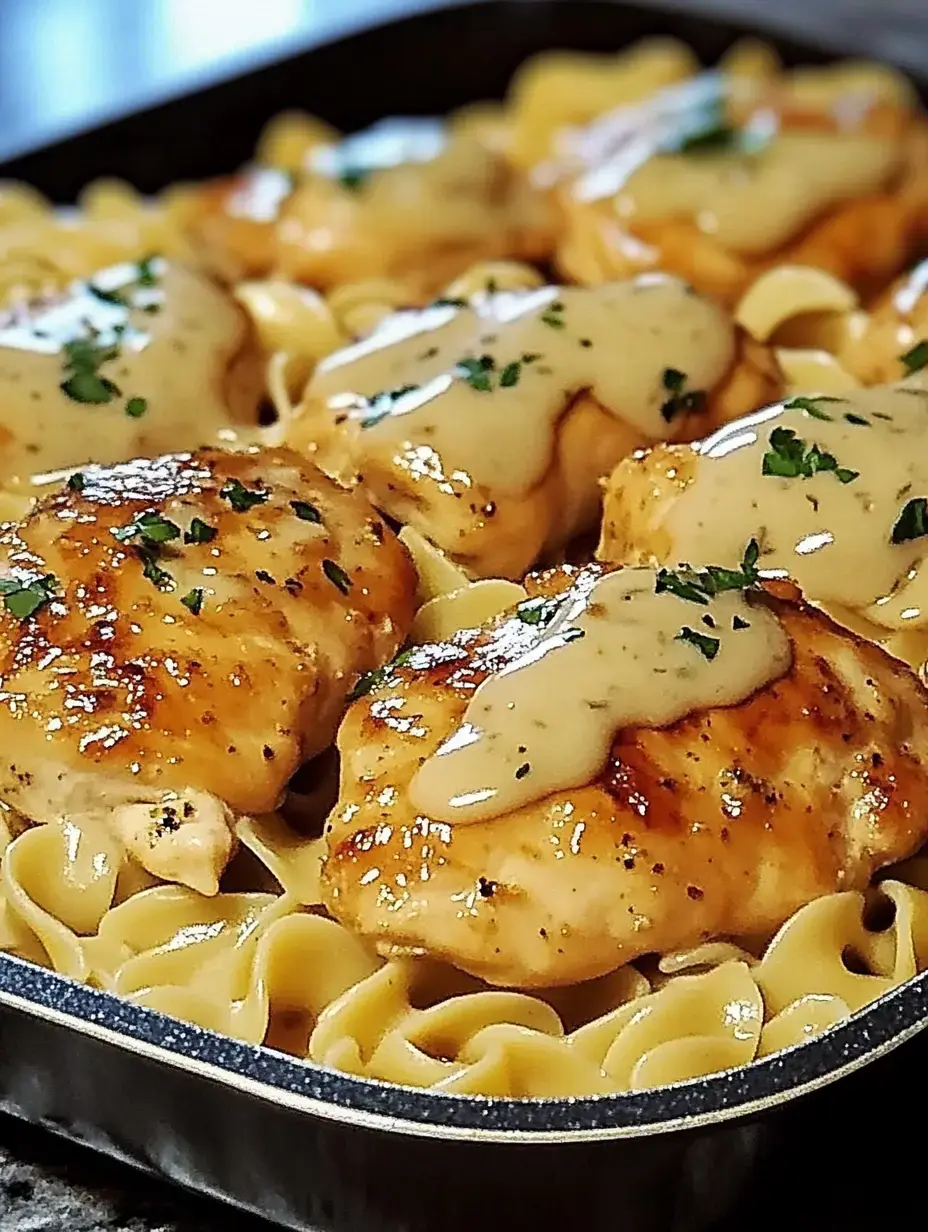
[
  {"x": 617, "y": 341},
  {"x": 834, "y": 539},
  {"x": 612, "y": 657},
  {"x": 176, "y": 342},
  {"x": 752, "y": 197}
]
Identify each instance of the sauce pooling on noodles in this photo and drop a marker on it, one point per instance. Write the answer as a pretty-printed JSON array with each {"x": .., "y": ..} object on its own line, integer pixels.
[
  {"x": 135, "y": 361},
  {"x": 835, "y": 490},
  {"x": 615, "y": 651},
  {"x": 749, "y": 184},
  {"x": 484, "y": 383}
]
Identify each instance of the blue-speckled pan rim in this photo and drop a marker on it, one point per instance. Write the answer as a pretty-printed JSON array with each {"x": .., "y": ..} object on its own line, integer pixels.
[{"x": 326, "y": 1094}]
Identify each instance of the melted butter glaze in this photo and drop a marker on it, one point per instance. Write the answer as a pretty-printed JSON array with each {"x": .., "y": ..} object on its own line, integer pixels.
[
  {"x": 178, "y": 343},
  {"x": 752, "y": 194},
  {"x": 116, "y": 675},
  {"x": 834, "y": 539},
  {"x": 405, "y": 382},
  {"x": 613, "y": 655}
]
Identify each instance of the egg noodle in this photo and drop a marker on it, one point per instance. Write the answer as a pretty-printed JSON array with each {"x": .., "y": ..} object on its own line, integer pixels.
[{"x": 319, "y": 251}]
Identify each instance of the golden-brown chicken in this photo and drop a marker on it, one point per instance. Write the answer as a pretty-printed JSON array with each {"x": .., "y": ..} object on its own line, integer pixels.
[
  {"x": 421, "y": 221},
  {"x": 178, "y": 634},
  {"x": 139, "y": 359},
  {"x": 488, "y": 425},
  {"x": 720, "y": 825},
  {"x": 718, "y": 181}
]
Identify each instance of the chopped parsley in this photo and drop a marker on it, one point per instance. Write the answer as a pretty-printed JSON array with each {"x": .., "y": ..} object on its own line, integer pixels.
[
  {"x": 912, "y": 522},
  {"x": 193, "y": 600},
  {"x": 148, "y": 554},
  {"x": 915, "y": 359},
  {"x": 373, "y": 680},
  {"x": 707, "y": 646},
  {"x": 444, "y": 302},
  {"x": 716, "y": 136},
  {"x": 537, "y": 611},
  {"x": 337, "y": 576},
  {"x": 477, "y": 372},
  {"x": 108, "y": 297},
  {"x": 701, "y": 585},
  {"x": 83, "y": 358},
  {"x": 23, "y": 599},
  {"x": 510, "y": 374},
  {"x": 523, "y": 770},
  {"x": 789, "y": 457},
  {"x": 150, "y": 527},
  {"x": 200, "y": 532},
  {"x": 681, "y": 400},
  {"x": 353, "y": 178},
  {"x": 136, "y": 407},
  {"x": 306, "y": 512},
  {"x": 858, "y": 420},
  {"x": 380, "y": 405},
  {"x": 76, "y": 482},
  {"x": 552, "y": 316},
  {"x": 147, "y": 276},
  {"x": 811, "y": 406},
  {"x": 241, "y": 498}
]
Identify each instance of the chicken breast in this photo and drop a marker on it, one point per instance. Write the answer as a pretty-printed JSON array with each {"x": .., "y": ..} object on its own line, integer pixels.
[
  {"x": 178, "y": 634},
  {"x": 720, "y": 824},
  {"x": 138, "y": 359},
  {"x": 487, "y": 426}
]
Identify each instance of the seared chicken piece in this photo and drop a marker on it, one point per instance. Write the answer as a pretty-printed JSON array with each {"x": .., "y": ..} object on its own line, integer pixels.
[
  {"x": 718, "y": 181},
  {"x": 719, "y": 825},
  {"x": 178, "y": 634},
  {"x": 139, "y": 359},
  {"x": 898, "y": 322},
  {"x": 421, "y": 221},
  {"x": 487, "y": 426}
]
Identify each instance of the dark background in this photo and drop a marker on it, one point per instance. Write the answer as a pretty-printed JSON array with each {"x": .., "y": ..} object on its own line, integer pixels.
[{"x": 849, "y": 1159}]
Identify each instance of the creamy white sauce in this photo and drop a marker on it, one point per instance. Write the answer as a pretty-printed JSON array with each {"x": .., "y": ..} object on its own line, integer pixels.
[
  {"x": 406, "y": 383},
  {"x": 834, "y": 539},
  {"x": 175, "y": 343},
  {"x": 612, "y": 657},
  {"x": 752, "y": 195}
]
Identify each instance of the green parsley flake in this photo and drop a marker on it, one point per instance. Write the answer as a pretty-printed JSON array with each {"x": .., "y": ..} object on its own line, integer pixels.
[
  {"x": 150, "y": 527},
  {"x": 76, "y": 482},
  {"x": 444, "y": 302},
  {"x": 147, "y": 276},
  {"x": 151, "y": 569},
  {"x": 701, "y": 585},
  {"x": 136, "y": 407},
  {"x": 336, "y": 575},
  {"x": 353, "y": 178},
  {"x": 912, "y": 522},
  {"x": 811, "y": 407},
  {"x": 738, "y": 623},
  {"x": 915, "y": 359},
  {"x": 477, "y": 372},
  {"x": 510, "y": 374},
  {"x": 23, "y": 599},
  {"x": 193, "y": 600},
  {"x": 108, "y": 297},
  {"x": 707, "y": 646},
  {"x": 790, "y": 457},
  {"x": 306, "y": 512},
  {"x": 200, "y": 532},
  {"x": 83, "y": 358},
  {"x": 241, "y": 498},
  {"x": 552, "y": 315},
  {"x": 537, "y": 611},
  {"x": 380, "y": 405},
  {"x": 681, "y": 400},
  {"x": 379, "y": 677}
]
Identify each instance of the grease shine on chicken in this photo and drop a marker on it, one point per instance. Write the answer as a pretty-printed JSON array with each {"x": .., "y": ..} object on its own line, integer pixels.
[
  {"x": 631, "y": 761},
  {"x": 178, "y": 634}
]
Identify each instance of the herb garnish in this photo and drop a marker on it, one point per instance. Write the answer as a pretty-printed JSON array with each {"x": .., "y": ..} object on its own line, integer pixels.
[
  {"x": 306, "y": 512},
  {"x": 444, "y": 302},
  {"x": 200, "y": 532},
  {"x": 23, "y": 599},
  {"x": 915, "y": 359},
  {"x": 715, "y": 136},
  {"x": 912, "y": 522},
  {"x": 136, "y": 407},
  {"x": 150, "y": 527},
  {"x": 193, "y": 600},
  {"x": 353, "y": 178},
  {"x": 523, "y": 770},
  {"x": 373, "y": 680},
  {"x": 707, "y": 646},
  {"x": 380, "y": 405},
  {"x": 108, "y": 297},
  {"x": 701, "y": 585},
  {"x": 552, "y": 315},
  {"x": 538, "y": 610},
  {"x": 510, "y": 374},
  {"x": 241, "y": 498},
  {"x": 790, "y": 457},
  {"x": 147, "y": 276},
  {"x": 336, "y": 575},
  {"x": 76, "y": 482},
  {"x": 811, "y": 406},
  {"x": 681, "y": 400},
  {"x": 82, "y": 360},
  {"x": 148, "y": 554},
  {"x": 476, "y": 372}
]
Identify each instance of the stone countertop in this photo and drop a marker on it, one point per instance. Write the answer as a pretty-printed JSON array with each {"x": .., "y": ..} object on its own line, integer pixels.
[{"x": 48, "y": 1185}]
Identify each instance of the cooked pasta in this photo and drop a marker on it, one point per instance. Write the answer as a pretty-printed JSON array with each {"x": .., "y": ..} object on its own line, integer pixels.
[{"x": 382, "y": 393}]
